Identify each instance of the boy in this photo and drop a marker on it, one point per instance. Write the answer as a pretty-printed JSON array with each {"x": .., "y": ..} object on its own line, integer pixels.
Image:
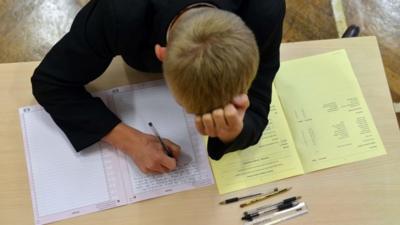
[{"x": 216, "y": 53}]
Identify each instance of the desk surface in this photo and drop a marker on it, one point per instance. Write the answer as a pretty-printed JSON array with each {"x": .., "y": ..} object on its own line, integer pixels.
[{"x": 366, "y": 192}]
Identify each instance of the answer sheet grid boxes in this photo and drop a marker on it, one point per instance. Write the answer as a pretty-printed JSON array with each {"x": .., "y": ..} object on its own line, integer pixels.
[{"x": 65, "y": 184}]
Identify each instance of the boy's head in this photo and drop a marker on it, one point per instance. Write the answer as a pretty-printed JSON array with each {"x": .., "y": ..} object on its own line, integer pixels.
[{"x": 211, "y": 57}]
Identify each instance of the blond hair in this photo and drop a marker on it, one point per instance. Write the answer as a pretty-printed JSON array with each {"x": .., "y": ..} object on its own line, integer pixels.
[{"x": 211, "y": 57}]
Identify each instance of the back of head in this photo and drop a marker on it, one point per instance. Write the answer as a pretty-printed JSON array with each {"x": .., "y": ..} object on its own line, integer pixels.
[{"x": 211, "y": 57}]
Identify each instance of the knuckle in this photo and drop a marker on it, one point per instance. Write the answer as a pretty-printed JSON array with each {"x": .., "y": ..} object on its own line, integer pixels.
[
  {"x": 156, "y": 160},
  {"x": 198, "y": 119},
  {"x": 208, "y": 127},
  {"x": 207, "y": 117},
  {"x": 230, "y": 113},
  {"x": 218, "y": 113}
]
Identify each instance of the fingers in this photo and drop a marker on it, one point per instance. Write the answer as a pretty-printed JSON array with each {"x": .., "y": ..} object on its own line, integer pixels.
[
  {"x": 174, "y": 148},
  {"x": 160, "y": 163},
  {"x": 219, "y": 119},
  {"x": 225, "y": 123},
  {"x": 200, "y": 126},
  {"x": 232, "y": 116},
  {"x": 156, "y": 170},
  {"x": 209, "y": 125},
  {"x": 212, "y": 124},
  {"x": 168, "y": 162},
  {"x": 155, "y": 160},
  {"x": 241, "y": 101}
]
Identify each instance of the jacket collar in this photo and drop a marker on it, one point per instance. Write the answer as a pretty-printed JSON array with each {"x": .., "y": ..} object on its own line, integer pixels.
[{"x": 167, "y": 10}]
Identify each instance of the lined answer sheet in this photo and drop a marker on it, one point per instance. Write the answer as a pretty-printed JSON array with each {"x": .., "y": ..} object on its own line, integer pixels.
[
  {"x": 150, "y": 102},
  {"x": 65, "y": 183}
]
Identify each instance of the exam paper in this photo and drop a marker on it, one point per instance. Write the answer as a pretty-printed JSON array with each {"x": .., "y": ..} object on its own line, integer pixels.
[
  {"x": 66, "y": 184},
  {"x": 138, "y": 105},
  {"x": 273, "y": 158},
  {"x": 318, "y": 119},
  {"x": 326, "y": 111}
]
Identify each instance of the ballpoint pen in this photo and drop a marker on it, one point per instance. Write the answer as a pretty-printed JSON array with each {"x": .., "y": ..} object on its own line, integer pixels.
[
  {"x": 264, "y": 197},
  {"x": 279, "y": 216},
  {"x": 283, "y": 206},
  {"x": 235, "y": 199},
  {"x": 166, "y": 149},
  {"x": 264, "y": 207}
]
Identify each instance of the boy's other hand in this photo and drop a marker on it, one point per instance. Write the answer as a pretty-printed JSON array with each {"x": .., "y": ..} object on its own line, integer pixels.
[
  {"x": 144, "y": 149},
  {"x": 224, "y": 123}
]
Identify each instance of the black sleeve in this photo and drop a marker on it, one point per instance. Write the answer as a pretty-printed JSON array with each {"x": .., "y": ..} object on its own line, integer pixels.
[
  {"x": 79, "y": 57},
  {"x": 268, "y": 33}
]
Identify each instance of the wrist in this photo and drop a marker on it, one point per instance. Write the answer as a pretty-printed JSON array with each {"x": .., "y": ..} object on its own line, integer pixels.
[
  {"x": 227, "y": 140},
  {"x": 122, "y": 136}
]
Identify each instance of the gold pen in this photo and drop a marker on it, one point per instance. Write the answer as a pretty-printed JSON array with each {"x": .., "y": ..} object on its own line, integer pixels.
[
  {"x": 264, "y": 197},
  {"x": 231, "y": 200}
]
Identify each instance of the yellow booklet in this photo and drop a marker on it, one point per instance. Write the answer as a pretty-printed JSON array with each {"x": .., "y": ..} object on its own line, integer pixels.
[{"x": 318, "y": 119}]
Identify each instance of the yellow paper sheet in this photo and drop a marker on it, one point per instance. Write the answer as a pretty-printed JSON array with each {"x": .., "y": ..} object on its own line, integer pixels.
[
  {"x": 273, "y": 158},
  {"x": 326, "y": 111}
]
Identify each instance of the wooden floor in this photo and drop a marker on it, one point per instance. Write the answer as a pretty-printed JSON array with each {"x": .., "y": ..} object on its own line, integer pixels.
[
  {"x": 382, "y": 19},
  {"x": 28, "y": 28}
]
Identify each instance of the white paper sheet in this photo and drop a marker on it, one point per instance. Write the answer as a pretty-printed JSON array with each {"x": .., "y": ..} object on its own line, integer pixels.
[
  {"x": 62, "y": 178},
  {"x": 65, "y": 184}
]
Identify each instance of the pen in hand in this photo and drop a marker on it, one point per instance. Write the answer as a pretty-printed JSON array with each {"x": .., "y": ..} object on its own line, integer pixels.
[{"x": 166, "y": 149}]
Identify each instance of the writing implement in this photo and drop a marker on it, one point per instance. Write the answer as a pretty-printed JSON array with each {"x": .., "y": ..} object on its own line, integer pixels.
[
  {"x": 164, "y": 146},
  {"x": 270, "y": 206},
  {"x": 264, "y": 197},
  {"x": 235, "y": 199},
  {"x": 278, "y": 208}
]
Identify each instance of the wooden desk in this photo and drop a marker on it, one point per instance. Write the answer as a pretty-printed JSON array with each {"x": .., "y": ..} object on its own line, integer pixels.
[{"x": 366, "y": 192}]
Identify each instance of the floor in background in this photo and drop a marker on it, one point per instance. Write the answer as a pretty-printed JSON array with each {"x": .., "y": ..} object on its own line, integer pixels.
[
  {"x": 28, "y": 28},
  {"x": 382, "y": 19},
  {"x": 308, "y": 20}
]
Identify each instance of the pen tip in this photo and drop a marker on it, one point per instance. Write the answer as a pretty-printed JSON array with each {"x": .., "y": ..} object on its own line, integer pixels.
[{"x": 222, "y": 203}]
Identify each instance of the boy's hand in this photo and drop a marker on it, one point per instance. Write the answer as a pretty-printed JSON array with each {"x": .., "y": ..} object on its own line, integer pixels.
[
  {"x": 144, "y": 149},
  {"x": 226, "y": 123}
]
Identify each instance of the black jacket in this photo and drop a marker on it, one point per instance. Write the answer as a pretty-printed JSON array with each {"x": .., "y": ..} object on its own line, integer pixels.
[{"x": 131, "y": 28}]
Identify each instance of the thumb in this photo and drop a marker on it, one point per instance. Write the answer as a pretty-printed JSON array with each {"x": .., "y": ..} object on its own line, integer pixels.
[
  {"x": 241, "y": 102},
  {"x": 176, "y": 149}
]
